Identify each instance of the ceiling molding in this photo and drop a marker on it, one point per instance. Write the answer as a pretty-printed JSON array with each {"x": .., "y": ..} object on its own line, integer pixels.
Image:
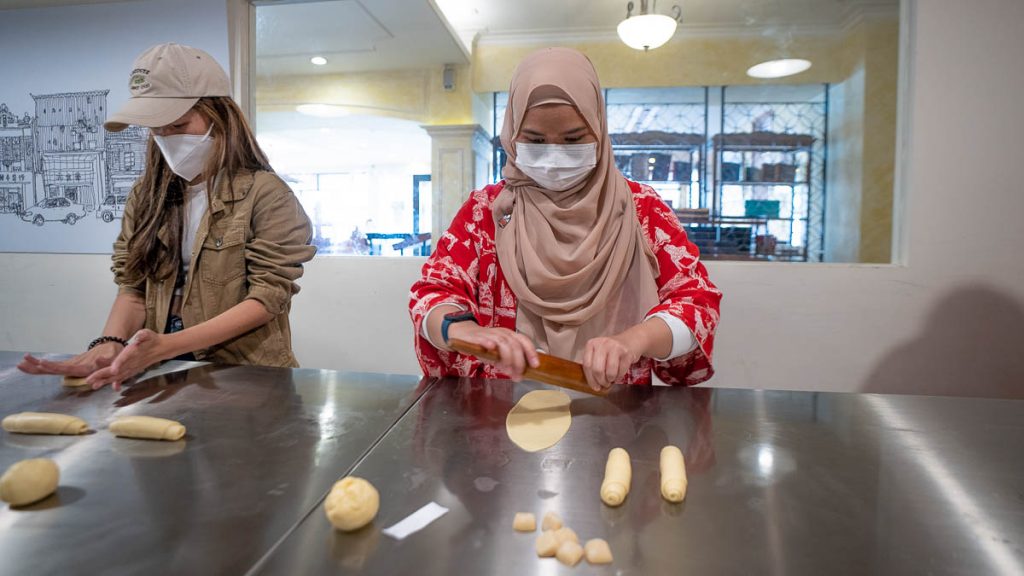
[
  {"x": 598, "y": 35},
  {"x": 858, "y": 13},
  {"x": 23, "y": 4}
]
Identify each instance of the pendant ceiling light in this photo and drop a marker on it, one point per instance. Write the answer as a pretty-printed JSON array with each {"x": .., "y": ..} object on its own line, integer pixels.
[{"x": 646, "y": 30}]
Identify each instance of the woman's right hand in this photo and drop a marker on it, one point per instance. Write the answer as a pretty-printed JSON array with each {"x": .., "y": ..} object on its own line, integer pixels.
[
  {"x": 79, "y": 366},
  {"x": 515, "y": 350}
]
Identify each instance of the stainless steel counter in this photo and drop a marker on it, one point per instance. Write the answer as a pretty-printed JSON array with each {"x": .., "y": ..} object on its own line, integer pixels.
[
  {"x": 780, "y": 483},
  {"x": 263, "y": 447}
]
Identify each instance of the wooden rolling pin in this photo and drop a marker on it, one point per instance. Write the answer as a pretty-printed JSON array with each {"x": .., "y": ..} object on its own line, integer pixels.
[{"x": 552, "y": 370}]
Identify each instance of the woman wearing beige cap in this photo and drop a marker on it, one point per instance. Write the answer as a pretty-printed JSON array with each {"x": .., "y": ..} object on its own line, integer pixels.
[
  {"x": 565, "y": 254},
  {"x": 212, "y": 241}
]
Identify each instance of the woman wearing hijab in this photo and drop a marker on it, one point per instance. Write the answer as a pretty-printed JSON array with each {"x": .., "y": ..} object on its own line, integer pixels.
[
  {"x": 212, "y": 241},
  {"x": 565, "y": 255}
]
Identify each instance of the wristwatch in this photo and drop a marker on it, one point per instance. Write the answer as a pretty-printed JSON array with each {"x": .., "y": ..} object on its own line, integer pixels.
[{"x": 453, "y": 317}]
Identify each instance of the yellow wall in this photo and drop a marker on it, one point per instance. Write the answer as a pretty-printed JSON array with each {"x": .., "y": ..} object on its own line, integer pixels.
[
  {"x": 862, "y": 140},
  {"x": 416, "y": 95},
  {"x": 684, "y": 62},
  {"x": 881, "y": 41}
]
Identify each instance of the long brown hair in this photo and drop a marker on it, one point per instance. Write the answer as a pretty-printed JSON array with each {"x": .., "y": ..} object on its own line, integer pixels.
[{"x": 159, "y": 193}]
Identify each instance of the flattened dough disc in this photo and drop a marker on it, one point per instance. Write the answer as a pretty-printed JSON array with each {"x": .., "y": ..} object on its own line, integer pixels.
[{"x": 539, "y": 420}]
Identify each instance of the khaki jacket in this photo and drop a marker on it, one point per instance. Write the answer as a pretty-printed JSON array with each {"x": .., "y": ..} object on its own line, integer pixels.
[{"x": 251, "y": 243}]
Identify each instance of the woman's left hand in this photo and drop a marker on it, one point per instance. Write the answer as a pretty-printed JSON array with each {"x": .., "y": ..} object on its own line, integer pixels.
[
  {"x": 607, "y": 359},
  {"x": 144, "y": 349}
]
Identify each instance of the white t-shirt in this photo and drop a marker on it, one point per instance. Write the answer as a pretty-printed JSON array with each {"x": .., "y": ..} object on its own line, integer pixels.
[{"x": 196, "y": 205}]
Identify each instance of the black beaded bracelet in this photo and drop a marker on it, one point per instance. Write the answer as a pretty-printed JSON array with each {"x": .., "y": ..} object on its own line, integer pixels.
[{"x": 105, "y": 339}]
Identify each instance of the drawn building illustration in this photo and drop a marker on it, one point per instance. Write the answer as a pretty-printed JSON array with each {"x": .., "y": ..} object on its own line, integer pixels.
[
  {"x": 70, "y": 141},
  {"x": 61, "y": 165},
  {"x": 17, "y": 162},
  {"x": 125, "y": 157}
]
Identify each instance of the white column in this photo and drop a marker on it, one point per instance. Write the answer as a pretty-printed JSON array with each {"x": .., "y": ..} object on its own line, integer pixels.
[{"x": 460, "y": 163}]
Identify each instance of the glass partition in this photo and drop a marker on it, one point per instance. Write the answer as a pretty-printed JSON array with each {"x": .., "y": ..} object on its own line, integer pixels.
[{"x": 384, "y": 115}]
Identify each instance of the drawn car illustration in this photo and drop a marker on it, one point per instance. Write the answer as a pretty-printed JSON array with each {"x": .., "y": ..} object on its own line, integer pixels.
[
  {"x": 54, "y": 210},
  {"x": 112, "y": 207}
]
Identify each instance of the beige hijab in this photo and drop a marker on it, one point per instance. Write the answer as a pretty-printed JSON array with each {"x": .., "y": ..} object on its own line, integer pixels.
[{"x": 577, "y": 260}]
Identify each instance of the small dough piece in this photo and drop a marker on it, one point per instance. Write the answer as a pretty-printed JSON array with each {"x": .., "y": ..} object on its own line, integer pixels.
[
  {"x": 524, "y": 522},
  {"x": 147, "y": 427},
  {"x": 566, "y": 534},
  {"x": 569, "y": 553},
  {"x": 552, "y": 521},
  {"x": 73, "y": 381},
  {"x": 352, "y": 503},
  {"x": 617, "y": 475},
  {"x": 29, "y": 481},
  {"x": 539, "y": 419},
  {"x": 673, "y": 474},
  {"x": 547, "y": 544},
  {"x": 597, "y": 551},
  {"x": 44, "y": 423}
]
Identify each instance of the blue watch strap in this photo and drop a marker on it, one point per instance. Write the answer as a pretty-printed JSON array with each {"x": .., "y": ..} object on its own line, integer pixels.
[{"x": 451, "y": 318}]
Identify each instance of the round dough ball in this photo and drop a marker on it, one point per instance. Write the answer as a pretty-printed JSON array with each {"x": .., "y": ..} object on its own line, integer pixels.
[
  {"x": 29, "y": 481},
  {"x": 569, "y": 553},
  {"x": 547, "y": 544},
  {"x": 524, "y": 522},
  {"x": 597, "y": 551},
  {"x": 565, "y": 534},
  {"x": 552, "y": 521},
  {"x": 351, "y": 504}
]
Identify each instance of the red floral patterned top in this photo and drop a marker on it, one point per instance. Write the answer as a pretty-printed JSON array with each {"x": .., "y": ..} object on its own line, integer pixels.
[{"x": 464, "y": 270}]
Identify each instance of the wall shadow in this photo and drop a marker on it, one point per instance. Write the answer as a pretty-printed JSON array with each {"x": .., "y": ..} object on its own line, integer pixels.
[{"x": 972, "y": 344}]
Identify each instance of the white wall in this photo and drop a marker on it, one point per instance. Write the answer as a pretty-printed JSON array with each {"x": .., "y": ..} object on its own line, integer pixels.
[{"x": 948, "y": 321}]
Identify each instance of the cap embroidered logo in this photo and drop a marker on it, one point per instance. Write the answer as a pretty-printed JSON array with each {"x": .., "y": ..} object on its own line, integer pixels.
[{"x": 140, "y": 80}]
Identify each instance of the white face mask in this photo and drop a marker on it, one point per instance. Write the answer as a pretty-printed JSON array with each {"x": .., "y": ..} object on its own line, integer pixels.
[
  {"x": 556, "y": 167},
  {"x": 186, "y": 154}
]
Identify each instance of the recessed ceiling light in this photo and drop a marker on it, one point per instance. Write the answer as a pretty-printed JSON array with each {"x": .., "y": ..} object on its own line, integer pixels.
[
  {"x": 779, "y": 68},
  {"x": 321, "y": 110},
  {"x": 318, "y": 60}
]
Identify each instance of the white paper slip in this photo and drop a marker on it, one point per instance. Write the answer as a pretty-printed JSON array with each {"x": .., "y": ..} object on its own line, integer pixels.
[{"x": 416, "y": 521}]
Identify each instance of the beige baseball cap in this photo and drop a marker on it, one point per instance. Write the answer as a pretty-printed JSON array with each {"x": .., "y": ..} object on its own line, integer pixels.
[{"x": 166, "y": 82}]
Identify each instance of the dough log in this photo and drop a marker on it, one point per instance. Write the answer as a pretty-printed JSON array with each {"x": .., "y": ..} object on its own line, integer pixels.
[
  {"x": 617, "y": 475},
  {"x": 148, "y": 428},
  {"x": 673, "y": 474},
  {"x": 73, "y": 381},
  {"x": 44, "y": 423},
  {"x": 524, "y": 522},
  {"x": 351, "y": 504},
  {"x": 597, "y": 551},
  {"x": 29, "y": 481}
]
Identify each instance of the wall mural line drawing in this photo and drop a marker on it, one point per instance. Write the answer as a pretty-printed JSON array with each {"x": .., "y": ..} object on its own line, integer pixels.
[{"x": 60, "y": 167}]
